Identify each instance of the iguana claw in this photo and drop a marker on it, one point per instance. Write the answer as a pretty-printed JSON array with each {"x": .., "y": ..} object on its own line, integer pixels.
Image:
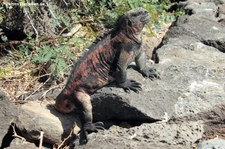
[
  {"x": 150, "y": 73},
  {"x": 131, "y": 85},
  {"x": 89, "y": 128}
]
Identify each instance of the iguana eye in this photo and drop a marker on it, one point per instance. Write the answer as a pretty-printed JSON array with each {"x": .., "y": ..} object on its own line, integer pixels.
[
  {"x": 135, "y": 15},
  {"x": 129, "y": 23}
]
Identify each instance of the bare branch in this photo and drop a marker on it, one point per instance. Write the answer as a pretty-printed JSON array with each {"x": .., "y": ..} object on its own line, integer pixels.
[
  {"x": 41, "y": 139},
  {"x": 38, "y": 87},
  {"x": 16, "y": 135},
  {"x": 31, "y": 22},
  {"x": 53, "y": 15},
  {"x": 51, "y": 88},
  {"x": 63, "y": 143},
  {"x": 65, "y": 3}
]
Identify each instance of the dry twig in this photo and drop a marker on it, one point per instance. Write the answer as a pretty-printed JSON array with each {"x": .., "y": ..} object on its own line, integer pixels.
[
  {"x": 41, "y": 139},
  {"x": 51, "y": 88},
  {"x": 37, "y": 89},
  {"x": 31, "y": 22},
  {"x": 16, "y": 135},
  {"x": 64, "y": 142}
]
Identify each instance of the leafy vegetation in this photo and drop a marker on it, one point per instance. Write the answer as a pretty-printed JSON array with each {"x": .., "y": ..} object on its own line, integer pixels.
[
  {"x": 5, "y": 71},
  {"x": 57, "y": 56}
]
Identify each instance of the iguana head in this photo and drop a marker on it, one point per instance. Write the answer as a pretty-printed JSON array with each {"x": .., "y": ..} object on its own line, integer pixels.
[{"x": 133, "y": 21}]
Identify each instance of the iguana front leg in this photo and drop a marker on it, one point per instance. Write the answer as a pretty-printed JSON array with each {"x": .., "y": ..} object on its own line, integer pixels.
[
  {"x": 83, "y": 102},
  {"x": 121, "y": 73},
  {"x": 143, "y": 69}
]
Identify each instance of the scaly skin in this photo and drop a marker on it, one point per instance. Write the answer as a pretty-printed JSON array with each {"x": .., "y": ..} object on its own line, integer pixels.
[{"x": 106, "y": 62}]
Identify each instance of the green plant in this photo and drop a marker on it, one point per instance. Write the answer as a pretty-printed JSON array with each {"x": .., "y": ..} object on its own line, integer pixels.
[
  {"x": 5, "y": 71},
  {"x": 2, "y": 36},
  {"x": 24, "y": 51},
  {"x": 107, "y": 11},
  {"x": 1, "y": 14},
  {"x": 59, "y": 18},
  {"x": 57, "y": 56}
]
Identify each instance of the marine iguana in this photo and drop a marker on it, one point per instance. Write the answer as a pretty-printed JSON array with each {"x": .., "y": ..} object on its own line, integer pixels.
[{"x": 104, "y": 63}]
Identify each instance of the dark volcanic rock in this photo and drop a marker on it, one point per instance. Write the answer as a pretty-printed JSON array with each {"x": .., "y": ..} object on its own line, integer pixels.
[
  {"x": 207, "y": 10},
  {"x": 8, "y": 111},
  {"x": 148, "y": 105},
  {"x": 207, "y": 31},
  {"x": 20, "y": 144},
  {"x": 157, "y": 135}
]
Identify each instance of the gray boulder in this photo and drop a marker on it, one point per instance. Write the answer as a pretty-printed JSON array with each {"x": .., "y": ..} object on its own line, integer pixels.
[
  {"x": 20, "y": 144},
  {"x": 30, "y": 119},
  {"x": 207, "y": 31},
  {"x": 42, "y": 116},
  {"x": 212, "y": 144},
  {"x": 8, "y": 112},
  {"x": 156, "y": 135},
  {"x": 201, "y": 9}
]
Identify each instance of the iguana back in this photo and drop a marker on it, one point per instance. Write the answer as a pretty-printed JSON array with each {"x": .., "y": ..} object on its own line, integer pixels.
[{"x": 98, "y": 66}]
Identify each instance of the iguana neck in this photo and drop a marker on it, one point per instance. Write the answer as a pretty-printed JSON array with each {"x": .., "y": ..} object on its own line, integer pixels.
[{"x": 137, "y": 38}]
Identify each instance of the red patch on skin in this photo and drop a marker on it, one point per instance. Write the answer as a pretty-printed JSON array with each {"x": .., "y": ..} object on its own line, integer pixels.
[{"x": 93, "y": 73}]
